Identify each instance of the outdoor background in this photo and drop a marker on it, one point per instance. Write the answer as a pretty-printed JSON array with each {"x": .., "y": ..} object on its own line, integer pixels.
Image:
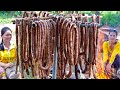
[{"x": 110, "y": 18}]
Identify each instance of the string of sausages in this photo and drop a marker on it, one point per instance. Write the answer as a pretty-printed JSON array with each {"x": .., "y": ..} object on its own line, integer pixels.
[
  {"x": 88, "y": 39},
  {"x": 35, "y": 39},
  {"x": 67, "y": 46},
  {"x": 76, "y": 41}
]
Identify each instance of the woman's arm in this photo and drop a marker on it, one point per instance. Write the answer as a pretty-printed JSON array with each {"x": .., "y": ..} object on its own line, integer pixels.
[
  {"x": 112, "y": 58},
  {"x": 105, "y": 51},
  {"x": 114, "y": 53},
  {"x": 5, "y": 65}
]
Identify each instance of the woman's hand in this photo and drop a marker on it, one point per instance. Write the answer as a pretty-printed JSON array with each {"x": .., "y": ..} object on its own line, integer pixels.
[
  {"x": 9, "y": 64},
  {"x": 108, "y": 67}
]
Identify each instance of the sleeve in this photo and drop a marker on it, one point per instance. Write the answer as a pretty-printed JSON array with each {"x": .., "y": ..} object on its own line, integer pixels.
[
  {"x": 105, "y": 52},
  {"x": 15, "y": 52},
  {"x": 115, "y": 52},
  {"x": 0, "y": 57}
]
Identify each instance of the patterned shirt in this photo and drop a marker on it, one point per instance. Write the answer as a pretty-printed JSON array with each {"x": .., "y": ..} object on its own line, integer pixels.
[
  {"x": 8, "y": 55},
  {"x": 108, "y": 53}
]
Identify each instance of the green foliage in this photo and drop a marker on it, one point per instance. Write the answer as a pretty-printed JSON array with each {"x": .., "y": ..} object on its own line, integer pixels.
[
  {"x": 111, "y": 18},
  {"x": 8, "y": 16},
  {"x": 4, "y": 18},
  {"x": 17, "y": 14}
]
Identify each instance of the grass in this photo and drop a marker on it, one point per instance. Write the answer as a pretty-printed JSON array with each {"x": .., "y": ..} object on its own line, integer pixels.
[{"x": 6, "y": 20}]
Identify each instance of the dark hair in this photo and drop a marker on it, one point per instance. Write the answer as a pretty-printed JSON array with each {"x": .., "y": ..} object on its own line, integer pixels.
[
  {"x": 3, "y": 30},
  {"x": 113, "y": 30}
]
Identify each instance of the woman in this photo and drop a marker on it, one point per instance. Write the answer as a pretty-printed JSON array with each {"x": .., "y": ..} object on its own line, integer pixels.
[
  {"x": 111, "y": 53},
  {"x": 8, "y": 54},
  {"x": 2, "y": 73}
]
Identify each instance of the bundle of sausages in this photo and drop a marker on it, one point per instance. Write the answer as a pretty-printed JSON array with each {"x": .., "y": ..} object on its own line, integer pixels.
[
  {"x": 88, "y": 40},
  {"x": 35, "y": 41},
  {"x": 76, "y": 40},
  {"x": 67, "y": 46}
]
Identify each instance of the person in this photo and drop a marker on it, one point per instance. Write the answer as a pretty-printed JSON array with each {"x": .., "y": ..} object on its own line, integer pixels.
[
  {"x": 2, "y": 73},
  {"x": 111, "y": 53},
  {"x": 8, "y": 54}
]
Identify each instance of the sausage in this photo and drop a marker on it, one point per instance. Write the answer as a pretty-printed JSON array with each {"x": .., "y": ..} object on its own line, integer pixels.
[
  {"x": 51, "y": 28},
  {"x": 39, "y": 48},
  {"x": 17, "y": 59},
  {"x": 21, "y": 49},
  {"x": 63, "y": 45},
  {"x": 25, "y": 47},
  {"x": 71, "y": 59},
  {"x": 45, "y": 37},
  {"x": 76, "y": 45},
  {"x": 58, "y": 46}
]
